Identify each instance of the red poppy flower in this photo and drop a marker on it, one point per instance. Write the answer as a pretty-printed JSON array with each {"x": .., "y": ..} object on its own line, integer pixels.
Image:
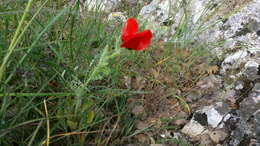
[{"x": 134, "y": 40}]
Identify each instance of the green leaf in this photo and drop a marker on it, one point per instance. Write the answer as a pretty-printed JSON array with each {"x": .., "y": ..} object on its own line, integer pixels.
[
  {"x": 72, "y": 124},
  {"x": 86, "y": 105},
  {"x": 90, "y": 117}
]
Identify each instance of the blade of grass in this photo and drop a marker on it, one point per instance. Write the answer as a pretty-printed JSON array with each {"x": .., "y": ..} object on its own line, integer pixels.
[
  {"x": 184, "y": 102},
  {"x": 36, "y": 94},
  {"x": 35, "y": 133},
  {"x": 37, "y": 39},
  {"x": 20, "y": 36},
  {"x": 29, "y": 105},
  {"x": 48, "y": 123},
  {"x": 14, "y": 40},
  {"x": 7, "y": 130}
]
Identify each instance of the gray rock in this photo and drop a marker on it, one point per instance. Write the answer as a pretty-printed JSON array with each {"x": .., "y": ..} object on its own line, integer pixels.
[
  {"x": 211, "y": 35},
  {"x": 233, "y": 61},
  {"x": 231, "y": 96},
  {"x": 103, "y": 5},
  {"x": 256, "y": 88},
  {"x": 251, "y": 70},
  {"x": 214, "y": 114},
  {"x": 230, "y": 43},
  {"x": 158, "y": 13},
  {"x": 193, "y": 128},
  {"x": 239, "y": 85},
  {"x": 164, "y": 16},
  {"x": 257, "y": 123},
  {"x": 208, "y": 116},
  {"x": 239, "y": 29},
  {"x": 247, "y": 128},
  {"x": 250, "y": 104},
  {"x": 241, "y": 134},
  {"x": 242, "y": 26},
  {"x": 241, "y": 64},
  {"x": 240, "y": 67},
  {"x": 255, "y": 95}
]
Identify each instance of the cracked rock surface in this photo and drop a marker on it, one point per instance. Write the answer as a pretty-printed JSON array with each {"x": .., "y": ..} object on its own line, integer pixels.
[
  {"x": 238, "y": 82},
  {"x": 240, "y": 70}
]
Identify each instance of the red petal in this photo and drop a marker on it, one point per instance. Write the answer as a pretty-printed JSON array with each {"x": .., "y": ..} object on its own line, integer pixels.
[
  {"x": 138, "y": 41},
  {"x": 130, "y": 28}
]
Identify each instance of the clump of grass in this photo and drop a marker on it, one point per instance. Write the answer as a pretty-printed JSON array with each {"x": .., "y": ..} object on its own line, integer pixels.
[{"x": 56, "y": 60}]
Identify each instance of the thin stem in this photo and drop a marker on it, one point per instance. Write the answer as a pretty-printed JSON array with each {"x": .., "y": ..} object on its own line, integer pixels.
[
  {"x": 48, "y": 123},
  {"x": 36, "y": 94}
]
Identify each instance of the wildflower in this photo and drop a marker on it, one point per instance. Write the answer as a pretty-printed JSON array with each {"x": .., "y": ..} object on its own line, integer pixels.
[{"x": 134, "y": 40}]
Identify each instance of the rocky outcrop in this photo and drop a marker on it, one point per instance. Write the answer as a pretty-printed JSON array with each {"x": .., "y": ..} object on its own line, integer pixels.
[
  {"x": 234, "y": 116},
  {"x": 235, "y": 113}
]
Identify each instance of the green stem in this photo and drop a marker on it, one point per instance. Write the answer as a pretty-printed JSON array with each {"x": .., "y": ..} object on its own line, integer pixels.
[
  {"x": 36, "y": 94},
  {"x": 94, "y": 72}
]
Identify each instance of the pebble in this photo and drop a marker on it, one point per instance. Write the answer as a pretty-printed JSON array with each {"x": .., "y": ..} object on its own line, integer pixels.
[{"x": 218, "y": 136}]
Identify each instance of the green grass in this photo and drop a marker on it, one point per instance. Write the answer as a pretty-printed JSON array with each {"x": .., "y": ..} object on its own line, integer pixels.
[{"x": 62, "y": 76}]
